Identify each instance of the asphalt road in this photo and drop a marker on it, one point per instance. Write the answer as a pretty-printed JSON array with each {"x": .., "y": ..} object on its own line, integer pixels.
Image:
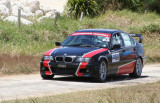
[{"x": 24, "y": 86}]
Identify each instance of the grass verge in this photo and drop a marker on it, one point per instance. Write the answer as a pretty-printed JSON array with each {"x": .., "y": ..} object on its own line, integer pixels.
[
  {"x": 19, "y": 64},
  {"x": 34, "y": 40},
  {"x": 145, "y": 93}
]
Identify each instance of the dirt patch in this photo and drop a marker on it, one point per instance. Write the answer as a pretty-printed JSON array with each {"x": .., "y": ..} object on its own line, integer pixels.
[
  {"x": 17, "y": 64},
  {"x": 121, "y": 21}
]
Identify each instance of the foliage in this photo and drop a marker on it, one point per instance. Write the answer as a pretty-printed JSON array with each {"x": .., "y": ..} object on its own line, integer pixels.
[
  {"x": 21, "y": 49},
  {"x": 40, "y": 37},
  {"x": 89, "y": 7},
  {"x": 152, "y": 28},
  {"x": 155, "y": 6},
  {"x": 140, "y": 5},
  {"x": 94, "y": 7},
  {"x": 131, "y": 4}
]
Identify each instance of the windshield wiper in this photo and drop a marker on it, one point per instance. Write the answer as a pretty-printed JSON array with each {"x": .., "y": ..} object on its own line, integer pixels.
[
  {"x": 75, "y": 45},
  {"x": 82, "y": 45},
  {"x": 88, "y": 45}
]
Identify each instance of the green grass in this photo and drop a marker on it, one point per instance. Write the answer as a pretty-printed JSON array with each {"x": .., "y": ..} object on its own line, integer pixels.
[
  {"x": 144, "y": 93},
  {"x": 36, "y": 39},
  {"x": 40, "y": 37}
]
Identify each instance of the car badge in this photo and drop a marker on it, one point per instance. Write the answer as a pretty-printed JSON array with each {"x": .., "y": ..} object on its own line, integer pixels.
[{"x": 65, "y": 54}]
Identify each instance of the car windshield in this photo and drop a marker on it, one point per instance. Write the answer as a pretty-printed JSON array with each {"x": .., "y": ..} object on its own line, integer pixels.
[{"x": 87, "y": 41}]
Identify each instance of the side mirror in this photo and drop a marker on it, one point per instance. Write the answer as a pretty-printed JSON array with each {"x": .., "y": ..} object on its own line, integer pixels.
[
  {"x": 116, "y": 46},
  {"x": 58, "y": 43}
]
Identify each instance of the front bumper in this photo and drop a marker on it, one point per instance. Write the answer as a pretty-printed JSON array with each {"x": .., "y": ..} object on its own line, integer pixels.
[{"x": 78, "y": 69}]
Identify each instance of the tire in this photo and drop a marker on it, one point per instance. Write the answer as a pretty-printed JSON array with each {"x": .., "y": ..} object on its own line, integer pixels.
[
  {"x": 47, "y": 76},
  {"x": 102, "y": 71},
  {"x": 137, "y": 69}
]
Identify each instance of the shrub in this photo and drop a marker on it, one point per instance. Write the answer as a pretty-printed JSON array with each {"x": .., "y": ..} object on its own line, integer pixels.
[
  {"x": 155, "y": 5},
  {"x": 92, "y": 8},
  {"x": 89, "y": 7},
  {"x": 152, "y": 28},
  {"x": 131, "y": 4}
]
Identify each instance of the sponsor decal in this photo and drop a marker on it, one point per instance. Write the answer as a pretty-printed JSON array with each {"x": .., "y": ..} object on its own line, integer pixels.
[
  {"x": 90, "y": 33},
  {"x": 115, "y": 57},
  {"x": 83, "y": 65}
]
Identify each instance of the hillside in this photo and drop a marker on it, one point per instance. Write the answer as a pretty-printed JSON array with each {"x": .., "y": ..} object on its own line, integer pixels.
[{"x": 27, "y": 44}]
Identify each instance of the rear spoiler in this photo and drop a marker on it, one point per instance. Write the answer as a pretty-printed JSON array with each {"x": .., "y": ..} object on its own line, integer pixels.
[{"x": 137, "y": 35}]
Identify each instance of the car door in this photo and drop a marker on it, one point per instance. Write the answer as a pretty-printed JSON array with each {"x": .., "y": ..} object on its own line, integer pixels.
[
  {"x": 128, "y": 57},
  {"x": 116, "y": 54}
]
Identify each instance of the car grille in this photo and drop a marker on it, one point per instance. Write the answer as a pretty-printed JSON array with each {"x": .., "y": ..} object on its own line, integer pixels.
[
  {"x": 59, "y": 59},
  {"x": 67, "y": 59}
]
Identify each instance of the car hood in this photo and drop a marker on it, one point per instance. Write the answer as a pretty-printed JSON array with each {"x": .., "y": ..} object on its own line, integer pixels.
[{"x": 76, "y": 51}]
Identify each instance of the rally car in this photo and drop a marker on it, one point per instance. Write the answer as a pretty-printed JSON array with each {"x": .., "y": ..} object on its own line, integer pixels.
[{"x": 95, "y": 53}]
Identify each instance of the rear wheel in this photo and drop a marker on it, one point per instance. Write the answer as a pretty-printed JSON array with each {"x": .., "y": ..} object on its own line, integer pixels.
[
  {"x": 138, "y": 69},
  {"x": 47, "y": 76},
  {"x": 102, "y": 71}
]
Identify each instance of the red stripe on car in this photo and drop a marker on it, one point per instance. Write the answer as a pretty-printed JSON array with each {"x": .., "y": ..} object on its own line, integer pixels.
[
  {"x": 92, "y": 53},
  {"x": 83, "y": 65},
  {"x": 46, "y": 62},
  {"x": 50, "y": 51},
  {"x": 127, "y": 68},
  {"x": 92, "y": 33}
]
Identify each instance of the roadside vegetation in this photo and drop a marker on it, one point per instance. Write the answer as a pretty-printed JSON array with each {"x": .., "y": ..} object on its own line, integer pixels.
[
  {"x": 21, "y": 49},
  {"x": 92, "y": 8},
  {"x": 144, "y": 93}
]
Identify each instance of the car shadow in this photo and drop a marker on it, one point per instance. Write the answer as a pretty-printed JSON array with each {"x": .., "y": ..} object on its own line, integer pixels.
[
  {"x": 122, "y": 78},
  {"x": 93, "y": 80}
]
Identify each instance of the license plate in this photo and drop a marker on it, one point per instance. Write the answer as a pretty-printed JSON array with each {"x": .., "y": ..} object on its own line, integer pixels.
[{"x": 61, "y": 66}]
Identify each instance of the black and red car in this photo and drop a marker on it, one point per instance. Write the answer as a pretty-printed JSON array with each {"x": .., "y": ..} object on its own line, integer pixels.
[{"x": 95, "y": 53}]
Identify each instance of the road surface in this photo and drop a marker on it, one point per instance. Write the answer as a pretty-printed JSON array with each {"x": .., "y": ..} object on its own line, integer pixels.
[{"x": 24, "y": 86}]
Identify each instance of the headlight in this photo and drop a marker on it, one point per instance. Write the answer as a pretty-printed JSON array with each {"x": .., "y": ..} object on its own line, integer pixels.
[
  {"x": 81, "y": 59},
  {"x": 48, "y": 58}
]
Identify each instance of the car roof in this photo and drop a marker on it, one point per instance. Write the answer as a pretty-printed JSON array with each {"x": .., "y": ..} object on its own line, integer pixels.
[{"x": 110, "y": 31}]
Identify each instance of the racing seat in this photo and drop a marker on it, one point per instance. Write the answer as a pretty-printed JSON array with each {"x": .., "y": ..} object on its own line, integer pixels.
[{"x": 116, "y": 41}]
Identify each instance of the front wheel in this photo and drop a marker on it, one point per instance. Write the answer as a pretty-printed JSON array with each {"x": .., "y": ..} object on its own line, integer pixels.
[
  {"x": 102, "y": 71},
  {"x": 138, "y": 69}
]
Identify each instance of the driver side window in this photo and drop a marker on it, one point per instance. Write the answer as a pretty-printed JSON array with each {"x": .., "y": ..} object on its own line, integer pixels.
[{"x": 117, "y": 40}]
